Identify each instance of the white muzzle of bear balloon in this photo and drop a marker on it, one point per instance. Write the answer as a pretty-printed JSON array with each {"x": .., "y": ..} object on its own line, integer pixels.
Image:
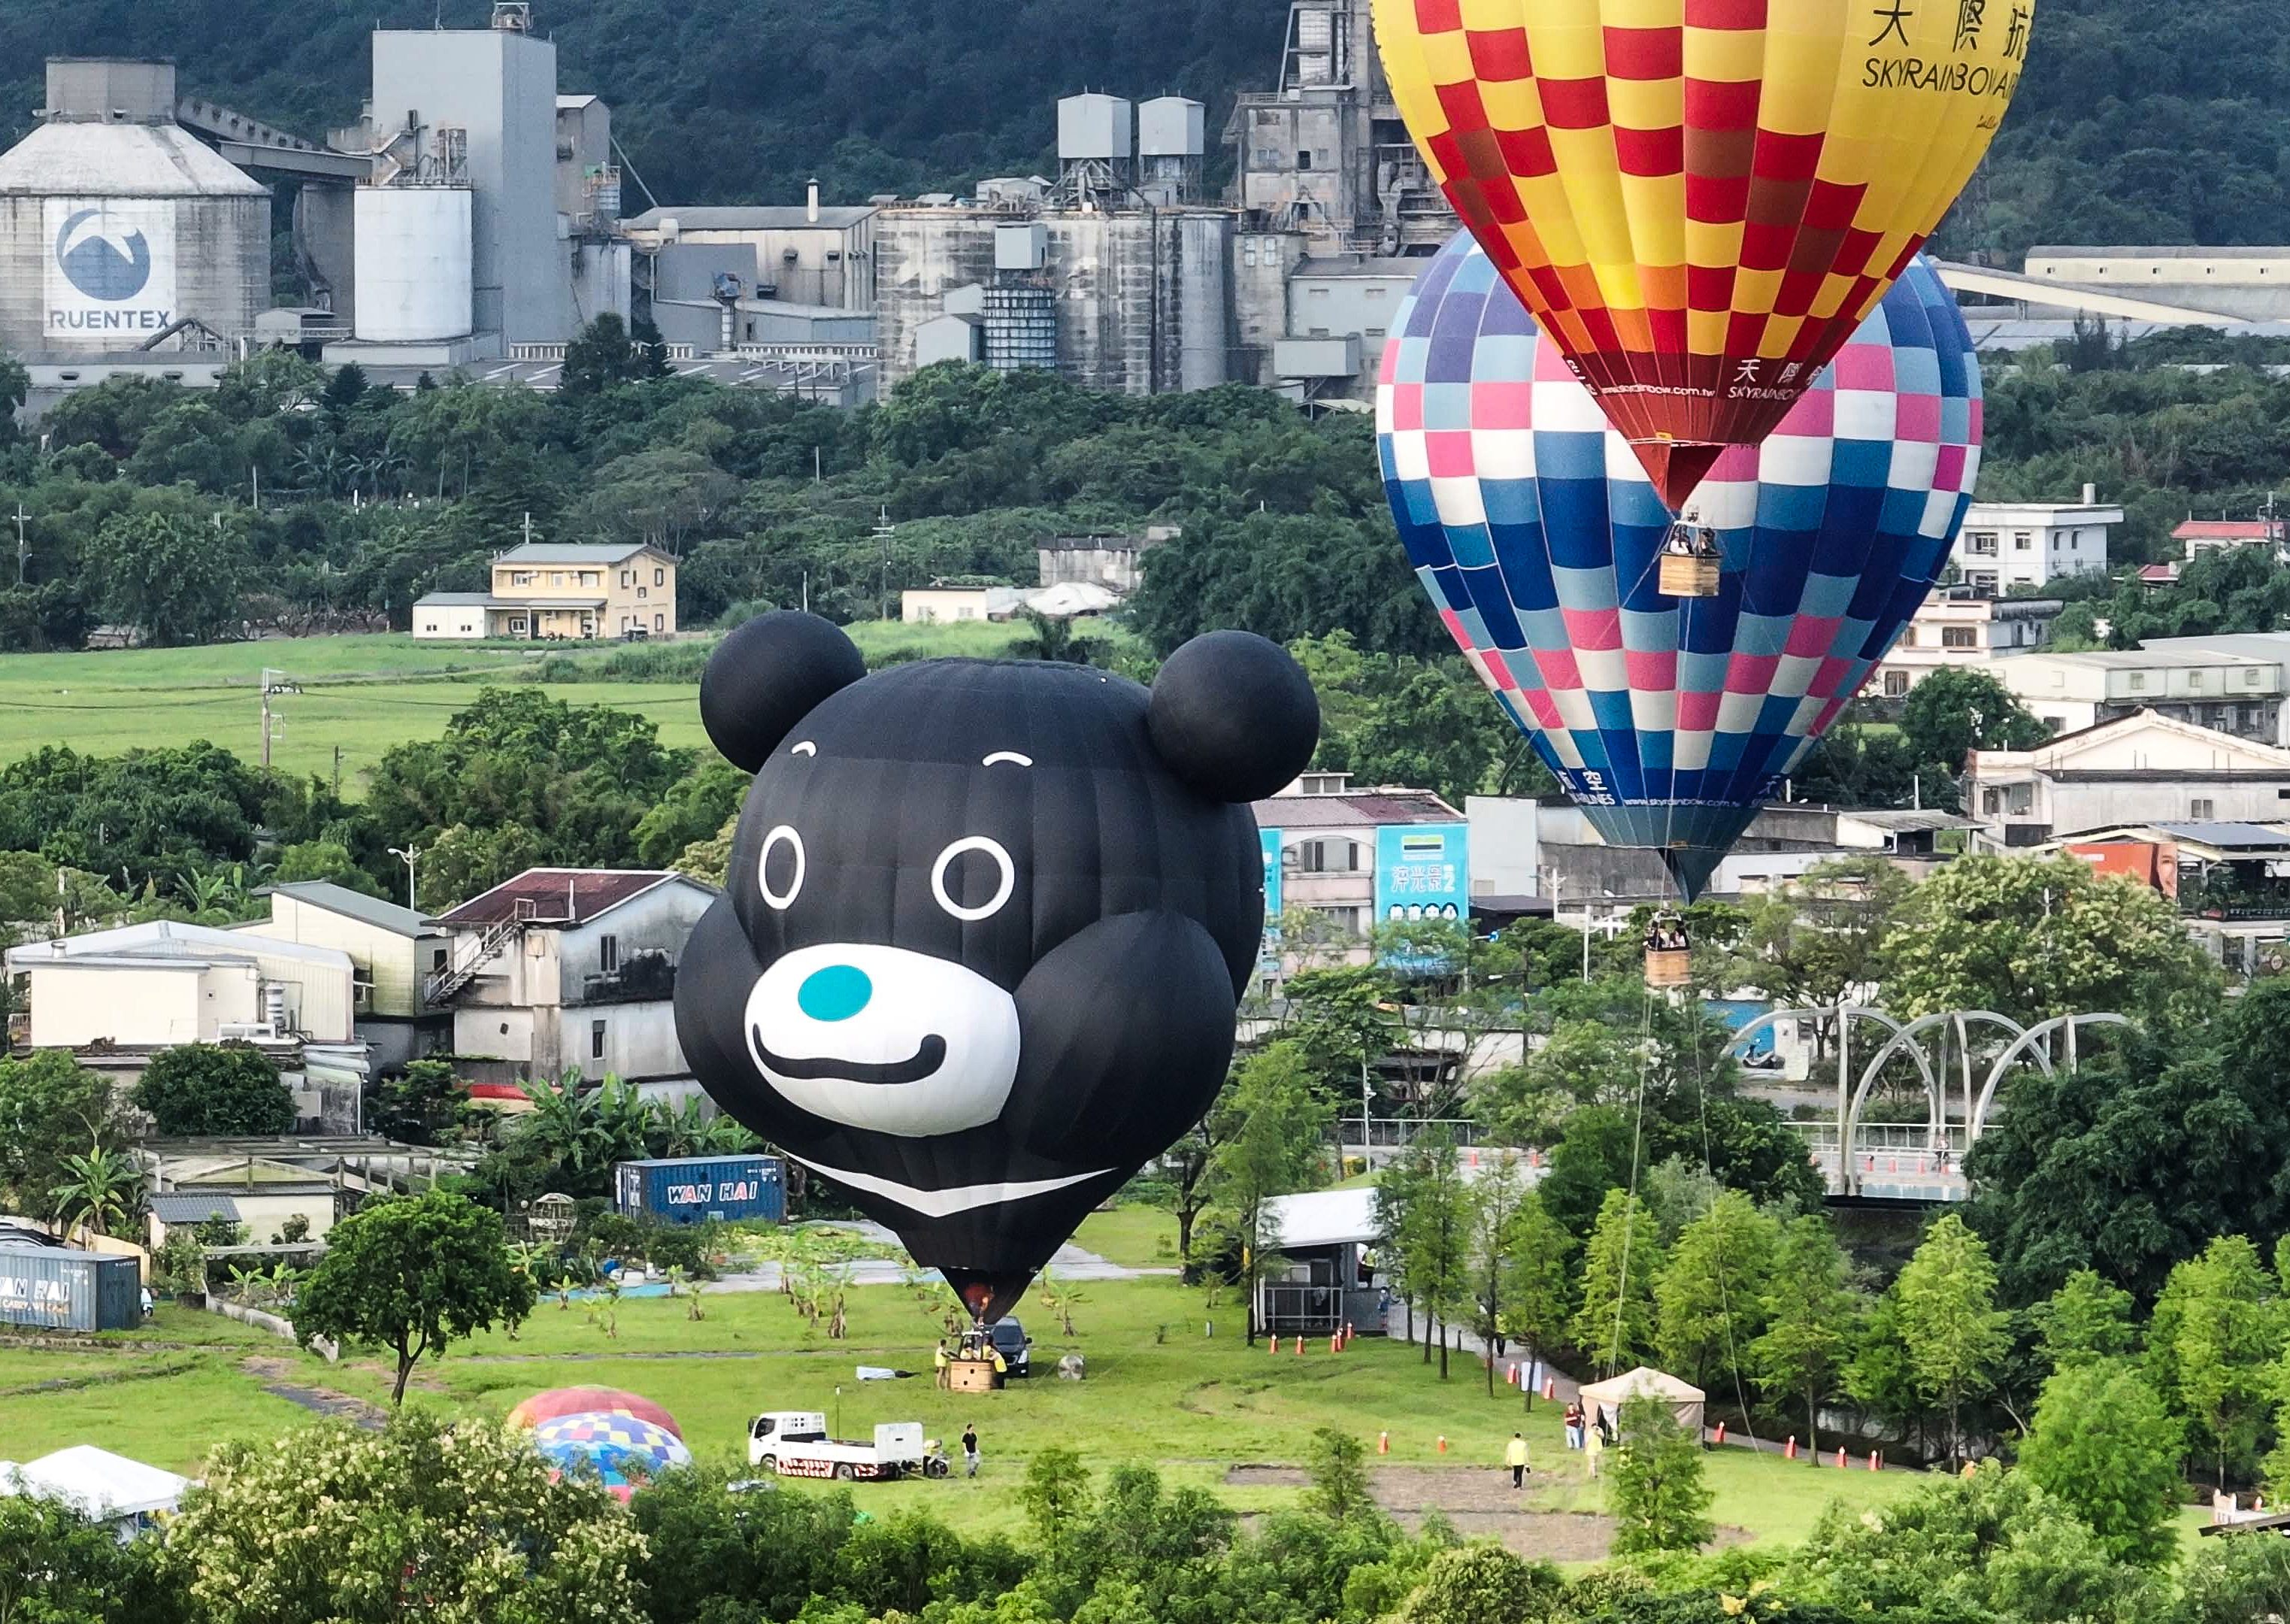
[{"x": 885, "y": 1039}]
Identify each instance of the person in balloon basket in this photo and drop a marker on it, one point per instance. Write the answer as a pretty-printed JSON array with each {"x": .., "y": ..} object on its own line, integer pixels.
[
  {"x": 986, "y": 923},
  {"x": 970, "y": 1448}
]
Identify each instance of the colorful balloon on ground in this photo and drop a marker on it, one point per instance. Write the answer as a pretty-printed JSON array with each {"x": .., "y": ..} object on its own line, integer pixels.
[
  {"x": 623, "y": 1453},
  {"x": 1537, "y": 534},
  {"x": 987, "y": 922},
  {"x": 1701, "y": 200},
  {"x": 546, "y": 1406}
]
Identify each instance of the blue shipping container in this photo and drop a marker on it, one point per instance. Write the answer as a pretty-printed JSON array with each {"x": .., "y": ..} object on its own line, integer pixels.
[
  {"x": 61, "y": 1288},
  {"x": 688, "y": 1190}
]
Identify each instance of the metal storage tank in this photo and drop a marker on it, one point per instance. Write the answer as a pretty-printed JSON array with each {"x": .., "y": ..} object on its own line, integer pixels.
[
  {"x": 415, "y": 275},
  {"x": 689, "y": 1189},
  {"x": 1172, "y": 127},
  {"x": 1094, "y": 126},
  {"x": 1204, "y": 262},
  {"x": 61, "y": 1288},
  {"x": 114, "y": 223}
]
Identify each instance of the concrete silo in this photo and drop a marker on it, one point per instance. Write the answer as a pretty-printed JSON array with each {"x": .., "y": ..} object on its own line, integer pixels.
[{"x": 115, "y": 224}]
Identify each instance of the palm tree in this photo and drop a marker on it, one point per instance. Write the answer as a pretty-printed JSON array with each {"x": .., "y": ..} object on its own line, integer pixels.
[
  {"x": 103, "y": 1196},
  {"x": 1049, "y": 639}
]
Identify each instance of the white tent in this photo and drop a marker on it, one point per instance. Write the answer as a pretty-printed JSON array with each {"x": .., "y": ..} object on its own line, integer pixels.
[
  {"x": 104, "y": 1487},
  {"x": 1683, "y": 1398}
]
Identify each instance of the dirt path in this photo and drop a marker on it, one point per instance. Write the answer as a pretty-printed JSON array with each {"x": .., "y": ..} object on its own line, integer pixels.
[
  {"x": 1481, "y": 1504},
  {"x": 326, "y": 1402}
]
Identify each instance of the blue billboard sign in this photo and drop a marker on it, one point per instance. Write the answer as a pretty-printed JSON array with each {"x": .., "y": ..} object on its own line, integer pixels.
[
  {"x": 1422, "y": 871},
  {"x": 1267, "y": 962}
]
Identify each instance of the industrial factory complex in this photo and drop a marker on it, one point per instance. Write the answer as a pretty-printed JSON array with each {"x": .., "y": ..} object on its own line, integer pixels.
[{"x": 475, "y": 219}]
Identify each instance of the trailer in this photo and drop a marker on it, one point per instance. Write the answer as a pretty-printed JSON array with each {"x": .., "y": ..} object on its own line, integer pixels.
[{"x": 794, "y": 1444}]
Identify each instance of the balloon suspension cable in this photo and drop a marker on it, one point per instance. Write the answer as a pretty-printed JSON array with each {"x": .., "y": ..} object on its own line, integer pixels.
[{"x": 1724, "y": 1292}]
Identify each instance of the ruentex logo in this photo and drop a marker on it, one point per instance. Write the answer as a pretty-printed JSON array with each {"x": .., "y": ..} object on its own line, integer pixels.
[{"x": 101, "y": 263}]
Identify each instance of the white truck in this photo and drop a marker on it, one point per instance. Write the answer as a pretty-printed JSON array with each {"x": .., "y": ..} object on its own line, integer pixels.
[{"x": 794, "y": 1444}]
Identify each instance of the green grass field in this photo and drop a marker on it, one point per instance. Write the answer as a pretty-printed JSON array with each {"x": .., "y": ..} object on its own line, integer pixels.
[
  {"x": 1158, "y": 1391},
  {"x": 358, "y": 695}
]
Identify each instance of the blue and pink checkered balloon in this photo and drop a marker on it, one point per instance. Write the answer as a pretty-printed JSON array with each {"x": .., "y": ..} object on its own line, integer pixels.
[
  {"x": 1534, "y": 528},
  {"x": 624, "y": 1452}
]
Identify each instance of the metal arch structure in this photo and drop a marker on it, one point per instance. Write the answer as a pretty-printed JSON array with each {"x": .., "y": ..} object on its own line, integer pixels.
[
  {"x": 1905, "y": 1037},
  {"x": 1848, "y": 1101},
  {"x": 2038, "y": 1033}
]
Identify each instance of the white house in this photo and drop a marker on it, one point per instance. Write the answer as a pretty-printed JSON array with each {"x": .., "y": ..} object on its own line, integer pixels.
[
  {"x": 164, "y": 983},
  {"x": 2004, "y": 545},
  {"x": 2231, "y": 685},
  {"x": 1957, "y": 628},
  {"x": 2214, "y": 535},
  {"x": 2140, "y": 769},
  {"x": 572, "y": 969}
]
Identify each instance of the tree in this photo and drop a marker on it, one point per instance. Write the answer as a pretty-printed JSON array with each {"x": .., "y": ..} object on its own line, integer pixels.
[
  {"x": 1424, "y": 1214},
  {"x": 1336, "y": 1462},
  {"x": 1532, "y": 1294},
  {"x": 1484, "y": 1584},
  {"x": 2133, "y": 1162},
  {"x": 1956, "y": 709},
  {"x": 2102, "y": 1443},
  {"x": 1655, "y": 1491},
  {"x": 324, "y": 859},
  {"x": 693, "y": 809},
  {"x": 1615, "y": 1323},
  {"x": 1811, "y": 943},
  {"x": 1273, "y": 1151},
  {"x": 2035, "y": 938},
  {"x": 1710, "y": 1297},
  {"x": 1495, "y": 1206},
  {"x": 425, "y": 1104},
  {"x": 101, "y": 1193},
  {"x": 1809, "y": 1320},
  {"x": 602, "y": 354},
  {"x": 413, "y": 1273},
  {"x": 56, "y": 1567},
  {"x": 714, "y": 1553},
  {"x": 223, "y": 1089},
  {"x": 458, "y": 1523},
  {"x": 178, "y": 581},
  {"x": 51, "y": 1110},
  {"x": 1052, "y": 637},
  {"x": 2084, "y": 1320},
  {"x": 1054, "y": 1493},
  {"x": 2209, "y": 1342},
  {"x": 1950, "y": 1323}
]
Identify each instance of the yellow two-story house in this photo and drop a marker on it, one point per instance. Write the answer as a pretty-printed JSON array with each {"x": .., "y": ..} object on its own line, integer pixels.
[{"x": 546, "y": 589}]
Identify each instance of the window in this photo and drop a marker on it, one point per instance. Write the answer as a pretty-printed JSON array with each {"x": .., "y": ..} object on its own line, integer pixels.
[
  {"x": 2139, "y": 679},
  {"x": 1304, "y": 158},
  {"x": 2201, "y": 808},
  {"x": 1344, "y": 918},
  {"x": 628, "y": 577},
  {"x": 659, "y": 622},
  {"x": 608, "y": 953},
  {"x": 1981, "y": 543},
  {"x": 1909, "y": 638},
  {"x": 516, "y": 623},
  {"x": 2250, "y": 677},
  {"x": 1328, "y": 857},
  {"x": 1896, "y": 684},
  {"x": 2022, "y": 541},
  {"x": 1991, "y": 801},
  {"x": 660, "y": 577},
  {"x": 644, "y": 592},
  {"x": 1958, "y": 637},
  {"x": 520, "y": 578},
  {"x": 436, "y": 960},
  {"x": 2194, "y": 679},
  {"x": 595, "y": 1040}
]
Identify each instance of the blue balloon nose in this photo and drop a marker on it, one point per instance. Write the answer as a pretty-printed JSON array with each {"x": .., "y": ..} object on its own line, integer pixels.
[{"x": 835, "y": 993}]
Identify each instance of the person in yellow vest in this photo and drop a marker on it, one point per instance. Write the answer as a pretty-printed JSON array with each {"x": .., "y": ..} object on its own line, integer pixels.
[
  {"x": 1001, "y": 1366},
  {"x": 939, "y": 1362},
  {"x": 1594, "y": 1445},
  {"x": 1515, "y": 1458}
]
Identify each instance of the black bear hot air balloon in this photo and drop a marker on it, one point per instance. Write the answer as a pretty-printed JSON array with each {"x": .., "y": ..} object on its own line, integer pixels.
[{"x": 987, "y": 922}]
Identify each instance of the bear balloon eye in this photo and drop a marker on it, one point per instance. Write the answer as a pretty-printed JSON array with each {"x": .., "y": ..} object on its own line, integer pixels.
[
  {"x": 1005, "y": 880},
  {"x": 779, "y": 871}
]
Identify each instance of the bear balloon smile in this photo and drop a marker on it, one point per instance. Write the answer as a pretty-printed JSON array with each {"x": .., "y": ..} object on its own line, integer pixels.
[{"x": 987, "y": 922}]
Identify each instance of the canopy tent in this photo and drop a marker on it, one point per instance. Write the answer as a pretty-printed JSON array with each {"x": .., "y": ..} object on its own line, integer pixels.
[
  {"x": 1606, "y": 1398},
  {"x": 102, "y": 1486}
]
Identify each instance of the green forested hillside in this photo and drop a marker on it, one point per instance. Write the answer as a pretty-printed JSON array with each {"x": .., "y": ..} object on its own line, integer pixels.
[{"x": 2156, "y": 121}]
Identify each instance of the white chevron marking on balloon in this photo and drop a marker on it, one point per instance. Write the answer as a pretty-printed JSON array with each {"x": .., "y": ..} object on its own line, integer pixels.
[{"x": 945, "y": 1203}]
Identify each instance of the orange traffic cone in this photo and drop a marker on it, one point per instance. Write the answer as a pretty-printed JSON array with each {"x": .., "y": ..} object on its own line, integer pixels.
[
  {"x": 1382, "y": 1442},
  {"x": 1443, "y": 1442},
  {"x": 1336, "y": 1341},
  {"x": 1840, "y": 1457},
  {"x": 1721, "y": 1435},
  {"x": 1876, "y": 1462},
  {"x": 1550, "y": 1389},
  {"x": 1300, "y": 1343},
  {"x": 1276, "y": 1344},
  {"x": 1788, "y": 1450}
]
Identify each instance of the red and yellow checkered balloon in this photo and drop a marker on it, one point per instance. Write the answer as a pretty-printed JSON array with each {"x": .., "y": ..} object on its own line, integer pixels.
[{"x": 1701, "y": 200}]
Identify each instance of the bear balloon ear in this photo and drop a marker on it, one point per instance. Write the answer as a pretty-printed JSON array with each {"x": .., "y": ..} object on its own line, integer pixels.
[
  {"x": 1234, "y": 716},
  {"x": 769, "y": 675}
]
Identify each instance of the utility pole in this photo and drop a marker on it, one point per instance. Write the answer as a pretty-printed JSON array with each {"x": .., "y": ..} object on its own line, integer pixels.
[
  {"x": 527, "y": 528},
  {"x": 883, "y": 529},
  {"x": 23, "y": 545},
  {"x": 408, "y": 854}
]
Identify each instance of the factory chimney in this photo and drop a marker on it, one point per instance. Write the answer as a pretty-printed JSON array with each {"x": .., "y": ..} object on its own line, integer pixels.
[{"x": 811, "y": 201}]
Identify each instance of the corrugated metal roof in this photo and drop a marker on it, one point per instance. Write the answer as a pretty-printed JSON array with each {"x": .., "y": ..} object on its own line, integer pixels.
[
  {"x": 2249, "y": 835},
  {"x": 191, "y": 1206},
  {"x": 571, "y": 552},
  {"x": 1361, "y": 807},
  {"x": 455, "y": 600},
  {"x": 1910, "y": 821},
  {"x": 770, "y": 217},
  {"x": 106, "y": 160},
  {"x": 2224, "y": 530},
  {"x": 557, "y": 896},
  {"x": 357, "y": 905}
]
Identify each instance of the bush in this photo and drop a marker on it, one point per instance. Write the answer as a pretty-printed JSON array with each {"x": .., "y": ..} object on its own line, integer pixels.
[{"x": 215, "y": 1089}]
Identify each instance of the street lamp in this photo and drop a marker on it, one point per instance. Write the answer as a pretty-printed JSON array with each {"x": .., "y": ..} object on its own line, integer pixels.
[{"x": 408, "y": 854}]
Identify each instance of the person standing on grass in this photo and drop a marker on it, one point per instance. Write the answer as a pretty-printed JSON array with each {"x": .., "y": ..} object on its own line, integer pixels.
[
  {"x": 1515, "y": 1458},
  {"x": 969, "y": 1447},
  {"x": 1572, "y": 1420},
  {"x": 939, "y": 1361},
  {"x": 1594, "y": 1445}
]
